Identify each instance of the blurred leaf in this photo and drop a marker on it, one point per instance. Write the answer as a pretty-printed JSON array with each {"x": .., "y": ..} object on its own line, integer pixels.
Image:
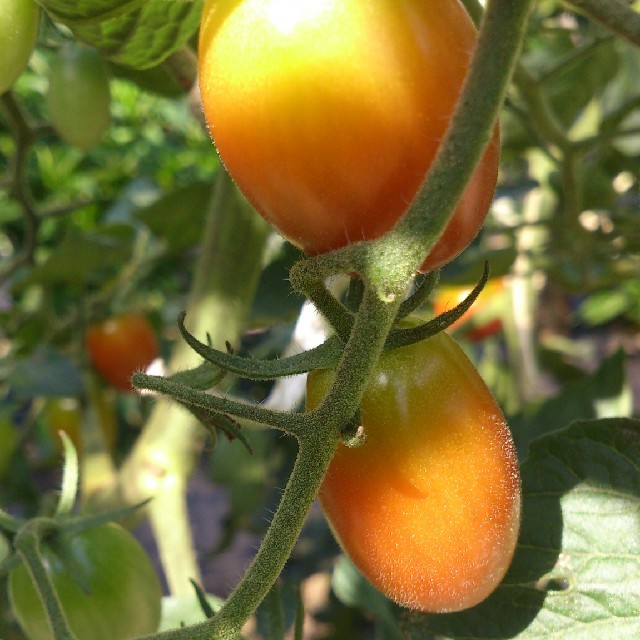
[
  {"x": 605, "y": 393},
  {"x": 275, "y": 301},
  {"x": 179, "y": 216},
  {"x": 352, "y": 589},
  {"x": 46, "y": 373},
  {"x": 245, "y": 476},
  {"x": 179, "y": 611},
  {"x": 129, "y": 32},
  {"x": 605, "y": 306},
  {"x": 155, "y": 79},
  {"x": 81, "y": 258},
  {"x": 575, "y": 574}
]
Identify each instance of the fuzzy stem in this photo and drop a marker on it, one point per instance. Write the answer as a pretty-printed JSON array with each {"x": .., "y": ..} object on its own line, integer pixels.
[{"x": 27, "y": 544}]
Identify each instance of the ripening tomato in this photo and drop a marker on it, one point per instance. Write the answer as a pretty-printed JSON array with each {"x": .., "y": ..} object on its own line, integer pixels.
[
  {"x": 329, "y": 113},
  {"x": 428, "y": 508},
  {"x": 123, "y": 599},
  {"x": 19, "y": 20},
  {"x": 120, "y": 346},
  {"x": 484, "y": 318},
  {"x": 79, "y": 97}
]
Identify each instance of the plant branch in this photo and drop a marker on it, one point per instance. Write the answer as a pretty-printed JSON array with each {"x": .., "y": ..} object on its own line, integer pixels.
[{"x": 612, "y": 14}]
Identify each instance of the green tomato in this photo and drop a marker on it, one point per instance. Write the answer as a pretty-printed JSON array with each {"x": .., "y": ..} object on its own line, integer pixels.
[
  {"x": 78, "y": 98},
  {"x": 123, "y": 600},
  {"x": 19, "y": 21}
]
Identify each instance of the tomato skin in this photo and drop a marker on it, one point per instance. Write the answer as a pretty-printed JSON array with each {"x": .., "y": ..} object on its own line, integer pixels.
[
  {"x": 428, "y": 508},
  {"x": 78, "y": 97},
  {"x": 120, "y": 346},
  {"x": 328, "y": 114},
  {"x": 19, "y": 22},
  {"x": 125, "y": 594}
]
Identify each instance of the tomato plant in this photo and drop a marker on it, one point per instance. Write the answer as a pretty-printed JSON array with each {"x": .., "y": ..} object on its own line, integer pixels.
[
  {"x": 484, "y": 318},
  {"x": 428, "y": 508},
  {"x": 19, "y": 20},
  {"x": 78, "y": 98},
  {"x": 122, "y": 595},
  {"x": 120, "y": 346},
  {"x": 328, "y": 114}
]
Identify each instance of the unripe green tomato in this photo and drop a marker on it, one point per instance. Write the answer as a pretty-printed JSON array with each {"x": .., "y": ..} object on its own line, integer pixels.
[
  {"x": 19, "y": 21},
  {"x": 124, "y": 597},
  {"x": 428, "y": 507},
  {"x": 78, "y": 98}
]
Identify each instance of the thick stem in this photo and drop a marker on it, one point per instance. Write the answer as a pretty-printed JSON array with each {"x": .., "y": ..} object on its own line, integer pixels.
[{"x": 164, "y": 456}]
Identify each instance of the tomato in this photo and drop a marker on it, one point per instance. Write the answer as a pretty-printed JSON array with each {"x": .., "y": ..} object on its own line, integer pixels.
[
  {"x": 78, "y": 98},
  {"x": 428, "y": 508},
  {"x": 121, "y": 346},
  {"x": 484, "y": 318},
  {"x": 329, "y": 113},
  {"x": 19, "y": 20},
  {"x": 124, "y": 594}
]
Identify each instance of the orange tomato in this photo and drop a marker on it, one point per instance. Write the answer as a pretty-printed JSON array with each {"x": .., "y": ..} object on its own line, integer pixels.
[
  {"x": 328, "y": 113},
  {"x": 428, "y": 508}
]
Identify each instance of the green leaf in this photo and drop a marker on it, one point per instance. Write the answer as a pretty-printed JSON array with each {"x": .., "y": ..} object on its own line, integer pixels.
[
  {"x": 576, "y": 571},
  {"x": 179, "y": 611},
  {"x": 132, "y": 33},
  {"x": 179, "y": 216},
  {"x": 45, "y": 373},
  {"x": 81, "y": 257},
  {"x": 603, "y": 394},
  {"x": 353, "y": 590}
]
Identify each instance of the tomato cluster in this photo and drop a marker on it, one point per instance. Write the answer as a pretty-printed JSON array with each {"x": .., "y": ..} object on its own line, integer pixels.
[
  {"x": 120, "y": 346},
  {"x": 428, "y": 508},
  {"x": 329, "y": 113}
]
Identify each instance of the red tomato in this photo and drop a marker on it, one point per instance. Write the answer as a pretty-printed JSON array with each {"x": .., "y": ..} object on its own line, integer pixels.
[
  {"x": 121, "y": 346},
  {"x": 428, "y": 508},
  {"x": 329, "y": 113}
]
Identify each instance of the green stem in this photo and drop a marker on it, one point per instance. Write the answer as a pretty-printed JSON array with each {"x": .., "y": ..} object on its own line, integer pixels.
[
  {"x": 612, "y": 14},
  {"x": 544, "y": 120},
  {"x": 27, "y": 543}
]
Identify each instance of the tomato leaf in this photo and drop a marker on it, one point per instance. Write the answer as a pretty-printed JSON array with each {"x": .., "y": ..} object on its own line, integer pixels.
[
  {"x": 131, "y": 33},
  {"x": 578, "y": 551},
  {"x": 354, "y": 590},
  {"x": 603, "y": 394}
]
